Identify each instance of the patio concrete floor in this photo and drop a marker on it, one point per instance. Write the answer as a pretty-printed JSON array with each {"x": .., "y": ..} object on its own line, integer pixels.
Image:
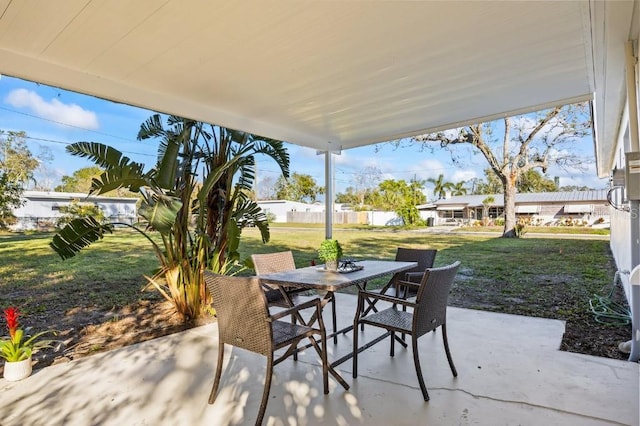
[{"x": 510, "y": 372}]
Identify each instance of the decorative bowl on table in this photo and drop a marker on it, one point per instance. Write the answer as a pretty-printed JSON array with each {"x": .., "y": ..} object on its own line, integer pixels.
[{"x": 348, "y": 265}]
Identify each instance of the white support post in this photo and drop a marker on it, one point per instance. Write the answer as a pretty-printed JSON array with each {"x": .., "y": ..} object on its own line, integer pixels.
[{"x": 328, "y": 194}]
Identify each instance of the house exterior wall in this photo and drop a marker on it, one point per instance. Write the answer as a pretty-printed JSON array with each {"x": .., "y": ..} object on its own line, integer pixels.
[
  {"x": 625, "y": 217},
  {"x": 339, "y": 218},
  {"x": 620, "y": 246},
  {"x": 379, "y": 218},
  {"x": 621, "y": 238},
  {"x": 280, "y": 208},
  {"x": 42, "y": 209},
  {"x": 295, "y": 212},
  {"x": 540, "y": 208}
]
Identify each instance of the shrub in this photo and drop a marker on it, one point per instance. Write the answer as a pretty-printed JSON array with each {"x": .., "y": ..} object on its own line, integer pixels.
[
  {"x": 271, "y": 217},
  {"x": 519, "y": 228},
  {"x": 78, "y": 210}
]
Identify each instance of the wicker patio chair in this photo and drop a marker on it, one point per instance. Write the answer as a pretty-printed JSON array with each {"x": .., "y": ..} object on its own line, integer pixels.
[
  {"x": 268, "y": 263},
  {"x": 244, "y": 322},
  {"x": 425, "y": 259},
  {"x": 429, "y": 312}
]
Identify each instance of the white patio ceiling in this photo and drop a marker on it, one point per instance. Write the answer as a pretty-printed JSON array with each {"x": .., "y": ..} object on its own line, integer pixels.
[{"x": 328, "y": 74}]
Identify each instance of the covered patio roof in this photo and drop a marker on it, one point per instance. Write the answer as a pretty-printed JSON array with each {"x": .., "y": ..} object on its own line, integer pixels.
[{"x": 330, "y": 75}]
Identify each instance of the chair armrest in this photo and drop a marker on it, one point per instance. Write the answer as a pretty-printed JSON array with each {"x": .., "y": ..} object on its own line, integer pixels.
[
  {"x": 408, "y": 284},
  {"x": 292, "y": 310},
  {"x": 386, "y": 298},
  {"x": 403, "y": 287},
  {"x": 413, "y": 276}
]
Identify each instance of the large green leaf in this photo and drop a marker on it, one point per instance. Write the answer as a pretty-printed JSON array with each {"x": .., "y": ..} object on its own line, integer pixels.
[
  {"x": 168, "y": 149},
  {"x": 102, "y": 155},
  {"x": 276, "y": 150},
  {"x": 78, "y": 234},
  {"x": 160, "y": 211},
  {"x": 130, "y": 177},
  {"x": 120, "y": 171},
  {"x": 168, "y": 164},
  {"x": 214, "y": 176},
  {"x": 248, "y": 213},
  {"x": 247, "y": 174},
  {"x": 151, "y": 128}
]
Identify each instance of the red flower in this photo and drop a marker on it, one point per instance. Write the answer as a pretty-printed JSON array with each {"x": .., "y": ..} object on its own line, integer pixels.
[{"x": 11, "y": 315}]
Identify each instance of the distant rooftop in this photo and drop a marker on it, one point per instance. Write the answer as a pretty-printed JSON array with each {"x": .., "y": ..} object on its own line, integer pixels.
[
  {"x": 51, "y": 195},
  {"x": 594, "y": 196}
]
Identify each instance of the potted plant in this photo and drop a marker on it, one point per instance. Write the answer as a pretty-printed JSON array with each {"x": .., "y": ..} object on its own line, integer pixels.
[
  {"x": 330, "y": 252},
  {"x": 18, "y": 348}
]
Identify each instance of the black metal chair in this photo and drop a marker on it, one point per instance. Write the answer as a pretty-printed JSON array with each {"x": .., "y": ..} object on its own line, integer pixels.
[
  {"x": 429, "y": 312},
  {"x": 244, "y": 321}
]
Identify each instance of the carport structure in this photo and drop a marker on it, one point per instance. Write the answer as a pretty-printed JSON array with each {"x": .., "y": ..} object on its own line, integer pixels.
[{"x": 338, "y": 75}]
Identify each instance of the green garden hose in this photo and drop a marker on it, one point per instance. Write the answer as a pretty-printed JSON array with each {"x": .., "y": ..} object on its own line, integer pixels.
[{"x": 606, "y": 311}]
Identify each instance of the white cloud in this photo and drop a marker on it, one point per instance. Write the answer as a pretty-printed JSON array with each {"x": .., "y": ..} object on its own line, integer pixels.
[
  {"x": 428, "y": 168},
  {"x": 54, "y": 110},
  {"x": 343, "y": 158},
  {"x": 463, "y": 175}
]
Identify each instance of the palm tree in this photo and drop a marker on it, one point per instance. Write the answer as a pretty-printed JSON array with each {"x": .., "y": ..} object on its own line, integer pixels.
[
  {"x": 459, "y": 188},
  {"x": 486, "y": 203},
  {"x": 228, "y": 204},
  {"x": 173, "y": 198},
  {"x": 440, "y": 187}
]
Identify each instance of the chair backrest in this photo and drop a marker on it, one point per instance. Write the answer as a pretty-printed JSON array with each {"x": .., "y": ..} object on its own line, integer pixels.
[
  {"x": 241, "y": 309},
  {"x": 432, "y": 298},
  {"x": 424, "y": 257},
  {"x": 268, "y": 263}
]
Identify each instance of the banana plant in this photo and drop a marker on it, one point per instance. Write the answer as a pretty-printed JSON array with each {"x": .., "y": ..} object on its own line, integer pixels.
[{"x": 174, "y": 197}]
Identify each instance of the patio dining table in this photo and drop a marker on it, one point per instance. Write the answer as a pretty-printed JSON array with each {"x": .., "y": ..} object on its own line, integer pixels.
[{"x": 319, "y": 279}]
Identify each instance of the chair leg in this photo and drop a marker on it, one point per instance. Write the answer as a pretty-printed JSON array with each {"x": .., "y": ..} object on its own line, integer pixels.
[
  {"x": 447, "y": 351},
  {"x": 325, "y": 363},
  {"x": 267, "y": 388},
  {"x": 334, "y": 318},
  {"x": 216, "y": 381},
  {"x": 392, "y": 350},
  {"x": 355, "y": 349},
  {"x": 416, "y": 361},
  {"x": 295, "y": 353}
]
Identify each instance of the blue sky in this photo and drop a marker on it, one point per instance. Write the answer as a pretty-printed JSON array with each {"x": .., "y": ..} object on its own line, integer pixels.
[{"x": 53, "y": 118}]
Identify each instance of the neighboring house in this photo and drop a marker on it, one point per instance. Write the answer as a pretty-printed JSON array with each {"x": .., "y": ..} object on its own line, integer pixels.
[
  {"x": 280, "y": 208},
  {"x": 42, "y": 209},
  {"x": 542, "y": 208},
  {"x": 285, "y": 211}
]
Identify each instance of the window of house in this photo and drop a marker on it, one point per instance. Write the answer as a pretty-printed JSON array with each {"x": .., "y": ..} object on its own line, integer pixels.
[
  {"x": 496, "y": 211},
  {"x": 451, "y": 214}
]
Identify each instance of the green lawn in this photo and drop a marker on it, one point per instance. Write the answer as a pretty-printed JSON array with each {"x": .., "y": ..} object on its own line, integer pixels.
[
  {"x": 110, "y": 273},
  {"x": 545, "y": 277}
]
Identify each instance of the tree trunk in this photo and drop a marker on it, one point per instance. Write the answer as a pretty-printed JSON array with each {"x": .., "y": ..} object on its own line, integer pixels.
[{"x": 509, "y": 207}]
